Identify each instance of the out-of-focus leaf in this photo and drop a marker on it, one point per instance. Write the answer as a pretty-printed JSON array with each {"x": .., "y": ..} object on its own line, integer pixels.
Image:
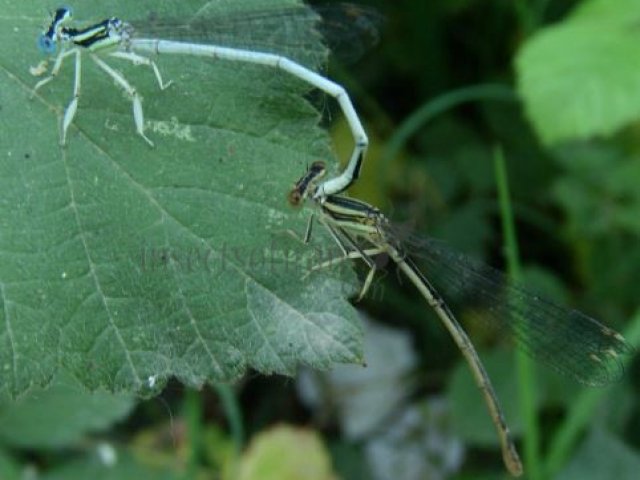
[
  {"x": 602, "y": 456},
  {"x": 469, "y": 413},
  {"x": 285, "y": 453},
  {"x": 110, "y": 466},
  {"x": 219, "y": 448},
  {"x": 364, "y": 397},
  {"x": 417, "y": 443},
  {"x": 599, "y": 191},
  {"x": 579, "y": 78},
  {"x": 599, "y": 197},
  {"x": 59, "y": 415},
  {"x": 349, "y": 460},
  {"x": 8, "y": 468},
  {"x": 127, "y": 265}
]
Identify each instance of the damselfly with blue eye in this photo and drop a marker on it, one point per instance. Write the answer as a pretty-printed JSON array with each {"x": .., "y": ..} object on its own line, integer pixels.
[
  {"x": 113, "y": 37},
  {"x": 567, "y": 340}
]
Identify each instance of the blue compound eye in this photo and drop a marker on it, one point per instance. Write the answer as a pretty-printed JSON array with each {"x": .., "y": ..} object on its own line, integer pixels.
[
  {"x": 47, "y": 39},
  {"x": 46, "y": 44}
]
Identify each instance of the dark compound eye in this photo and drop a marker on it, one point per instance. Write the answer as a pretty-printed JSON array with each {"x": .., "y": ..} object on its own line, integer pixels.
[
  {"x": 64, "y": 12},
  {"x": 46, "y": 44},
  {"x": 294, "y": 197}
]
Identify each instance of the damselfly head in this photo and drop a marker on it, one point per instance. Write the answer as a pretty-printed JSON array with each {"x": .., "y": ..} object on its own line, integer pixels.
[
  {"x": 295, "y": 197},
  {"x": 48, "y": 39},
  {"x": 306, "y": 185}
]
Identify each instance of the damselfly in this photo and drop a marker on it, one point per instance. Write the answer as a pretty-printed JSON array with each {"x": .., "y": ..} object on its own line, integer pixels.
[
  {"x": 116, "y": 38},
  {"x": 567, "y": 340}
]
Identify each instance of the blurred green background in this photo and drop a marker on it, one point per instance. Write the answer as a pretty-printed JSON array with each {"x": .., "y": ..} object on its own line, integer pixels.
[{"x": 553, "y": 87}]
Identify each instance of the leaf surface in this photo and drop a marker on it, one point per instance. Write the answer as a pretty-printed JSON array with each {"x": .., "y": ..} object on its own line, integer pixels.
[{"x": 128, "y": 264}]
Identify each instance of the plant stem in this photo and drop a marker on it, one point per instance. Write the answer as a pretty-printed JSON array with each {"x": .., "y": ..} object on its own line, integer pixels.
[{"x": 525, "y": 367}]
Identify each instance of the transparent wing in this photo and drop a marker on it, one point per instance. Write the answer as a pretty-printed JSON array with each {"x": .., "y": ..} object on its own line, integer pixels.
[
  {"x": 350, "y": 30},
  {"x": 293, "y": 31},
  {"x": 567, "y": 340}
]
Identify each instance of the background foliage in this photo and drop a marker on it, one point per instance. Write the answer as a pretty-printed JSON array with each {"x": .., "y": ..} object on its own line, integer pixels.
[{"x": 551, "y": 84}]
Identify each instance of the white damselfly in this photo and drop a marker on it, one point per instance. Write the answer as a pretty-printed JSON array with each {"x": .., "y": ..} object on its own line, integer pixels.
[
  {"x": 567, "y": 340},
  {"x": 116, "y": 38}
]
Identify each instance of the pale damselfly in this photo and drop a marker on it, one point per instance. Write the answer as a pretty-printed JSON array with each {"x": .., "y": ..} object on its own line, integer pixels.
[
  {"x": 113, "y": 37},
  {"x": 567, "y": 340}
]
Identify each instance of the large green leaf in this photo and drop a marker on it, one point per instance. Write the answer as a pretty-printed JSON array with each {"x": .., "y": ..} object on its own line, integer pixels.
[
  {"x": 127, "y": 264},
  {"x": 580, "y": 78}
]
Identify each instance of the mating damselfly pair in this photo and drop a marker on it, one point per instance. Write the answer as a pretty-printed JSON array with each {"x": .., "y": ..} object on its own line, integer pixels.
[{"x": 590, "y": 354}]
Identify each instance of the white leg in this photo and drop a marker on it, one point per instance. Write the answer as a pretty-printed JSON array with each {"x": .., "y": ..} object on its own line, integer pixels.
[
  {"x": 307, "y": 235},
  {"x": 367, "y": 283},
  {"x": 54, "y": 71},
  {"x": 140, "y": 60},
  {"x": 352, "y": 170},
  {"x": 365, "y": 255},
  {"x": 72, "y": 108},
  {"x": 368, "y": 252},
  {"x": 138, "y": 116}
]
